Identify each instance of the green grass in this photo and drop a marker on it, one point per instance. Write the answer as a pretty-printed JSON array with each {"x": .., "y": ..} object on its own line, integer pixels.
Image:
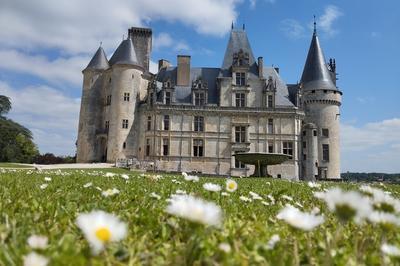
[
  {"x": 14, "y": 165},
  {"x": 157, "y": 238}
]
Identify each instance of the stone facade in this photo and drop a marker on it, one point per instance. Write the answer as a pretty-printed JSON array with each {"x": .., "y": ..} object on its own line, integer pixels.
[{"x": 195, "y": 119}]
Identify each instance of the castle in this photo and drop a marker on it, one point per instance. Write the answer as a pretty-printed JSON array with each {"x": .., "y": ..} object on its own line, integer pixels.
[{"x": 186, "y": 118}]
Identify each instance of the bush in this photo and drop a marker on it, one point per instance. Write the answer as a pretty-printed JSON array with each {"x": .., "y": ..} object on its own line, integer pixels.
[{"x": 49, "y": 158}]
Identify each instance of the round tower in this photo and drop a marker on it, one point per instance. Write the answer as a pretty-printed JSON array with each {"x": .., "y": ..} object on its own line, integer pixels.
[
  {"x": 125, "y": 83},
  {"x": 91, "y": 108},
  {"x": 321, "y": 101}
]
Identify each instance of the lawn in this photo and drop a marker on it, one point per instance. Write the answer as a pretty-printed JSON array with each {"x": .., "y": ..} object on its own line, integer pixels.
[
  {"x": 156, "y": 237},
  {"x": 14, "y": 165}
]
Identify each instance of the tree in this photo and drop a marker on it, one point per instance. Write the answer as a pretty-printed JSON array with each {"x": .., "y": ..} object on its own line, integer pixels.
[{"x": 5, "y": 105}]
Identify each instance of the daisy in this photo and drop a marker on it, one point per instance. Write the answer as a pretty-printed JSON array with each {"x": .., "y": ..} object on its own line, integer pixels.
[
  {"x": 273, "y": 241},
  {"x": 313, "y": 185},
  {"x": 381, "y": 200},
  {"x": 110, "y": 192},
  {"x": 88, "y": 185},
  {"x": 179, "y": 191},
  {"x": 187, "y": 177},
  {"x": 43, "y": 186},
  {"x": 100, "y": 228},
  {"x": 245, "y": 199},
  {"x": 231, "y": 185},
  {"x": 223, "y": 193},
  {"x": 225, "y": 247},
  {"x": 212, "y": 187},
  {"x": 271, "y": 198},
  {"x": 155, "y": 195},
  {"x": 48, "y": 179},
  {"x": 346, "y": 204},
  {"x": 195, "y": 210},
  {"x": 255, "y": 196},
  {"x": 108, "y": 174},
  {"x": 298, "y": 219},
  {"x": 37, "y": 241},
  {"x": 384, "y": 218},
  {"x": 286, "y": 197},
  {"x": 390, "y": 250},
  {"x": 125, "y": 176},
  {"x": 265, "y": 203},
  {"x": 34, "y": 259}
]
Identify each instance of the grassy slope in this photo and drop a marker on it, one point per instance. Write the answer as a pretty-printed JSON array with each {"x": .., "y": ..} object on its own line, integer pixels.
[
  {"x": 14, "y": 165},
  {"x": 157, "y": 238}
]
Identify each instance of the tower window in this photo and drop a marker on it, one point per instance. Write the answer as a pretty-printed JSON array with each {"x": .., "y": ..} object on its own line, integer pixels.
[
  {"x": 240, "y": 78},
  {"x": 325, "y": 132},
  {"x": 199, "y": 98},
  {"x": 108, "y": 100},
  {"x": 107, "y": 126},
  {"x": 198, "y": 148},
  {"x": 166, "y": 122},
  {"x": 147, "y": 147},
  {"x": 124, "y": 123},
  {"x": 167, "y": 98},
  {"x": 126, "y": 97},
  {"x": 304, "y": 144},
  {"x": 133, "y": 76},
  {"x": 109, "y": 81},
  {"x": 271, "y": 126},
  {"x": 198, "y": 123},
  {"x": 325, "y": 152},
  {"x": 314, "y": 133},
  {"x": 270, "y": 102},
  {"x": 148, "y": 123},
  {"x": 287, "y": 148},
  {"x": 151, "y": 100},
  {"x": 240, "y": 99},
  {"x": 165, "y": 146},
  {"x": 240, "y": 134},
  {"x": 124, "y": 145}
]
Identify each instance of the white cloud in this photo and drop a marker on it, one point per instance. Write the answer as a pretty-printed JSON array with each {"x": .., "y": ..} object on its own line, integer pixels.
[
  {"x": 253, "y": 3},
  {"x": 76, "y": 26},
  {"x": 373, "y": 147},
  {"x": 292, "y": 28},
  {"x": 325, "y": 22},
  {"x": 50, "y": 115},
  {"x": 56, "y": 71},
  {"x": 165, "y": 40}
]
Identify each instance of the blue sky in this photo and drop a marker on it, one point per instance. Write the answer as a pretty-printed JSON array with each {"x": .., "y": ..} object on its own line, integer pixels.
[{"x": 44, "y": 46}]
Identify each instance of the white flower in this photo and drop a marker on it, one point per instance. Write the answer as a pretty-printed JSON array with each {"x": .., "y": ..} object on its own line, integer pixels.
[
  {"x": 37, "y": 241},
  {"x": 223, "y": 193},
  {"x": 268, "y": 183},
  {"x": 225, "y": 247},
  {"x": 187, "y": 177},
  {"x": 231, "y": 185},
  {"x": 381, "y": 200},
  {"x": 313, "y": 185},
  {"x": 179, "y": 191},
  {"x": 43, "y": 186},
  {"x": 48, "y": 179},
  {"x": 176, "y": 181},
  {"x": 196, "y": 210},
  {"x": 155, "y": 195},
  {"x": 273, "y": 241},
  {"x": 100, "y": 228},
  {"x": 110, "y": 192},
  {"x": 125, "y": 176},
  {"x": 34, "y": 259},
  {"x": 299, "y": 219},
  {"x": 255, "y": 196},
  {"x": 212, "y": 187},
  {"x": 287, "y": 197},
  {"x": 315, "y": 210},
  {"x": 346, "y": 204},
  {"x": 108, "y": 174},
  {"x": 245, "y": 199},
  {"x": 265, "y": 203},
  {"x": 299, "y": 204},
  {"x": 99, "y": 188},
  {"x": 384, "y": 218},
  {"x": 88, "y": 185},
  {"x": 390, "y": 250},
  {"x": 271, "y": 198}
]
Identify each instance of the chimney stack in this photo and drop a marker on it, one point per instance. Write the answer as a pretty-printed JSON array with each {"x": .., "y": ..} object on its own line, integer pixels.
[
  {"x": 163, "y": 64},
  {"x": 183, "y": 73},
  {"x": 260, "y": 67},
  {"x": 142, "y": 41}
]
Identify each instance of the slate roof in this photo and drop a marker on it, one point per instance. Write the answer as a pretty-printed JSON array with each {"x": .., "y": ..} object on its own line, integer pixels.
[
  {"x": 282, "y": 93},
  {"x": 316, "y": 74},
  {"x": 125, "y": 54},
  {"x": 99, "y": 60}
]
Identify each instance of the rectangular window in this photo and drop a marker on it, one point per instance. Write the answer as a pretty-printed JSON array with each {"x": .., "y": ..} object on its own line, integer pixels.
[
  {"x": 166, "y": 122},
  {"x": 126, "y": 97},
  {"x": 167, "y": 98},
  {"x": 165, "y": 147},
  {"x": 199, "y": 98},
  {"x": 287, "y": 148},
  {"x": 199, "y": 123},
  {"x": 240, "y": 99},
  {"x": 314, "y": 133},
  {"x": 240, "y": 134},
  {"x": 147, "y": 147},
  {"x": 198, "y": 148},
  {"x": 304, "y": 157},
  {"x": 107, "y": 126},
  {"x": 270, "y": 101},
  {"x": 270, "y": 126},
  {"x": 271, "y": 148},
  {"x": 124, "y": 145},
  {"x": 325, "y": 132},
  {"x": 240, "y": 78},
  {"x": 304, "y": 145},
  {"x": 108, "y": 100},
  {"x": 239, "y": 164},
  {"x": 148, "y": 123},
  {"x": 325, "y": 152},
  {"x": 124, "y": 123}
]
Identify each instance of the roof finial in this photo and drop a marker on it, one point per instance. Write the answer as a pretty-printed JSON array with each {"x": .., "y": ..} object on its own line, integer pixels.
[
  {"x": 101, "y": 43},
  {"x": 232, "y": 25},
  {"x": 123, "y": 37},
  {"x": 315, "y": 26}
]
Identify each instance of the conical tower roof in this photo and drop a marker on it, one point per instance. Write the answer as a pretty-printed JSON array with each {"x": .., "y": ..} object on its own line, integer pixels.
[
  {"x": 125, "y": 54},
  {"x": 99, "y": 60},
  {"x": 316, "y": 74}
]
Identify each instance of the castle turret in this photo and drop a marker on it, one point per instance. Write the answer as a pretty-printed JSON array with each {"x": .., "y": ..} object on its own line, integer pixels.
[
  {"x": 321, "y": 101},
  {"x": 125, "y": 90},
  {"x": 90, "y": 117}
]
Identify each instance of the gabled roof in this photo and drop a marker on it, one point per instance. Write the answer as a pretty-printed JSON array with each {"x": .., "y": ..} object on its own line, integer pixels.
[
  {"x": 316, "y": 74},
  {"x": 237, "y": 41},
  {"x": 99, "y": 60},
  {"x": 125, "y": 54}
]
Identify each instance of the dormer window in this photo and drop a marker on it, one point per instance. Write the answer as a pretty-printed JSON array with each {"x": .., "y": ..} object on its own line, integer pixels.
[
  {"x": 240, "y": 78},
  {"x": 167, "y": 97},
  {"x": 240, "y": 59},
  {"x": 199, "y": 98}
]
